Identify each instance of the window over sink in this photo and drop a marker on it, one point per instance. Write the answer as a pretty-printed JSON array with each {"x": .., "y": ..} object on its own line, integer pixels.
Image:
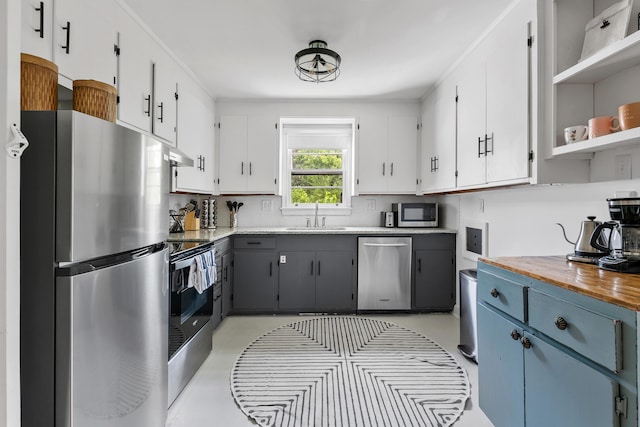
[{"x": 316, "y": 165}]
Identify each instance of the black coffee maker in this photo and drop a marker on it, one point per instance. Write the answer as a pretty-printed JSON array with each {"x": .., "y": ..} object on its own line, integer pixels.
[{"x": 624, "y": 238}]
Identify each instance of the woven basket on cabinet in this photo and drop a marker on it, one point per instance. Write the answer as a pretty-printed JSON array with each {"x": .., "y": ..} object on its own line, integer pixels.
[
  {"x": 95, "y": 98},
  {"x": 38, "y": 84}
]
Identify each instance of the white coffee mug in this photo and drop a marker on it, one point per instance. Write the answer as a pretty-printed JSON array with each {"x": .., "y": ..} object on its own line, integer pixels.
[{"x": 576, "y": 133}]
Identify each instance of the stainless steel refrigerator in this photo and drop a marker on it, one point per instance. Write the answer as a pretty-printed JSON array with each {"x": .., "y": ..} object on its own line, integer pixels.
[{"x": 94, "y": 273}]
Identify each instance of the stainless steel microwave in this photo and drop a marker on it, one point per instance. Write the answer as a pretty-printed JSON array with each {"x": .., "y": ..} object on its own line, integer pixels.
[{"x": 415, "y": 214}]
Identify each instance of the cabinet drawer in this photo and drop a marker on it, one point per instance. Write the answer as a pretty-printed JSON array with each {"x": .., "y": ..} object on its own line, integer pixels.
[
  {"x": 503, "y": 294},
  {"x": 254, "y": 243},
  {"x": 593, "y": 335}
]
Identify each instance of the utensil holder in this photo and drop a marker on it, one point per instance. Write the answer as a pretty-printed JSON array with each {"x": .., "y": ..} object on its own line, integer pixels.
[
  {"x": 191, "y": 223},
  {"x": 233, "y": 219}
]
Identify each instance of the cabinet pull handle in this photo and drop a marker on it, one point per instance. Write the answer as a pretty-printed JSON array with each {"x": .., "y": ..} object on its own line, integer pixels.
[
  {"x": 250, "y": 168},
  {"x": 41, "y": 29},
  {"x": 431, "y": 166},
  {"x": 242, "y": 169},
  {"x": 383, "y": 168},
  {"x": 486, "y": 140},
  {"x": 391, "y": 168},
  {"x": 526, "y": 343},
  {"x": 225, "y": 273},
  {"x": 148, "y": 110},
  {"x": 480, "y": 153},
  {"x": 68, "y": 30},
  {"x": 437, "y": 163},
  {"x": 419, "y": 265},
  {"x": 495, "y": 293},
  {"x": 161, "y": 106},
  {"x": 203, "y": 160},
  {"x": 561, "y": 323},
  {"x": 515, "y": 335},
  {"x": 312, "y": 268},
  {"x": 270, "y": 268},
  {"x": 254, "y": 243},
  {"x": 318, "y": 268}
]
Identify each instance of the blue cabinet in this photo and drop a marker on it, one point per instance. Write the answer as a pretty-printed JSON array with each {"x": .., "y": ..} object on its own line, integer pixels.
[{"x": 548, "y": 356}]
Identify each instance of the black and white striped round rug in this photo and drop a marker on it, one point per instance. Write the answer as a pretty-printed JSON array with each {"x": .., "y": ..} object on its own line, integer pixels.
[{"x": 348, "y": 371}]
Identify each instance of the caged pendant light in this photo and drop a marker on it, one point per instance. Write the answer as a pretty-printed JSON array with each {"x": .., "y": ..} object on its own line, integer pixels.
[{"x": 317, "y": 63}]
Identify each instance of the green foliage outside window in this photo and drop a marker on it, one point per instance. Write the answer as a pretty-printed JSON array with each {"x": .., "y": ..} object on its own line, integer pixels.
[{"x": 316, "y": 175}]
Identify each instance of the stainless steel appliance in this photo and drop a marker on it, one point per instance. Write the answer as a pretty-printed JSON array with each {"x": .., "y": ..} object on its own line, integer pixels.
[
  {"x": 468, "y": 346},
  {"x": 384, "y": 273},
  {"x": 624, "y": 240},
  {"x": 387, "y": 219},
  {"x": 415, "y": 214},
  {"x": 190, "y": 318},
  {"x": 94, "y": 268},
  {"x": 583, "y": 250}
]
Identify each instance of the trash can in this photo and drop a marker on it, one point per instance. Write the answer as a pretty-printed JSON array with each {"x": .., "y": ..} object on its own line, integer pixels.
[{"x": 468, "y": 318}]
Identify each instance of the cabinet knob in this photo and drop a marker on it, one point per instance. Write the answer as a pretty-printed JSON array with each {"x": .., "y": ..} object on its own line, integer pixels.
[
  {"x": 495, "y": 293},
  {"x": 561, "y": 323},
  {"x": 515, "y": 335},
  {"x": 526, "y": 343}
]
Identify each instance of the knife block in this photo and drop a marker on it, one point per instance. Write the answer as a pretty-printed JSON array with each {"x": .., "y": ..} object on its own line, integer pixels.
[{"x": 191, "y": 223}]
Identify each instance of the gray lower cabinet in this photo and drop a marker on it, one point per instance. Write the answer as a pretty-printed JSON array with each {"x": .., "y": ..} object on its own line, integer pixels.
[
  {"x": 316, "y": 273},
  {"x": 254, "y": 274},
  {"x": 548, "y": 356},
  {"x": 434, "y": 265}
]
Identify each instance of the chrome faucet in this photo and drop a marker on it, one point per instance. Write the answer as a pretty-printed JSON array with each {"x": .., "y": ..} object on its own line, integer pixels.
[{"x": 315, "y": 221}]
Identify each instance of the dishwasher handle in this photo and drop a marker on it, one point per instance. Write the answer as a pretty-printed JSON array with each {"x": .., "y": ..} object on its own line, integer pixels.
[{"x": 387, "y": 245}]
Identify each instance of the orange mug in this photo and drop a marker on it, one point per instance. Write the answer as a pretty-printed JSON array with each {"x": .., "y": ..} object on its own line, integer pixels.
[
  {"x": 603, "y": 125},
  {"x": 629, "y": 115}
]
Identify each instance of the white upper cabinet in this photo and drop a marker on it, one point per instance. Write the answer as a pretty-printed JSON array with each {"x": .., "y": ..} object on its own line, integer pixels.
[
  {"x": 147, "y": 82},
  {"x": 85, "y": 34},
  {"x": 37, "y": 28},
  {"x": 438, "y": 139},
  {"x": 196, "y": 138},
  {"x": 135, "y": 74},
  {"x": 387, "y": 148},
  {"x": 248, "y": 155},
  {"x": 493, "y": 105},
  {"x": 165, "y": 96}
]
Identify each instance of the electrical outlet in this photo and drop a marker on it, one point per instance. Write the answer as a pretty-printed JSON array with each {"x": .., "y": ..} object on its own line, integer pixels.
[
  {"x": 474, "y": 240},
  {"x": 371, "y": 204},
  {"x": 623, "y": 166},
  {"x": 283, "y": 259},
  {"x": 266, "y": 205}
]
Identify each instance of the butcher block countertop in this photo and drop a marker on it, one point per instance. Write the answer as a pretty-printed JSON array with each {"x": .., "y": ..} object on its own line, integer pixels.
[{"x": 622, "y": 289}]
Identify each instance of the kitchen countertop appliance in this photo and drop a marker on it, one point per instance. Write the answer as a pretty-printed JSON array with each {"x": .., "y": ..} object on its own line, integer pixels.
[
  {"x": 624, "y": 241},
  {"x": 94, "y": 268},
  {"x": 584, "y": 251},
  {"x": 384, "y": 273}
]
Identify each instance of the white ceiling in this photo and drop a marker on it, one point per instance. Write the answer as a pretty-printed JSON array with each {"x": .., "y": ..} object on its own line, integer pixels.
[{"x": 390, "y": 49}]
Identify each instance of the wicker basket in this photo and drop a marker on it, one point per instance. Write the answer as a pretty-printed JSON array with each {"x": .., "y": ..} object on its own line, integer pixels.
[
  {"x": 38, "y": 84},
  {"x": 95, "y": 98}
]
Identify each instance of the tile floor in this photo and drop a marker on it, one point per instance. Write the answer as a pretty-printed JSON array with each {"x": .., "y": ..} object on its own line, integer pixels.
[{"x": 207, "y": 399}]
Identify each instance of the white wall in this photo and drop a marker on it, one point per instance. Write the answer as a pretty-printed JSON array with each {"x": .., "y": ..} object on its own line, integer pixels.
[
  {"x": 522, "y": 220},
  {"x": 252, "y": 214},
  {"x": 9, "y": 217}
]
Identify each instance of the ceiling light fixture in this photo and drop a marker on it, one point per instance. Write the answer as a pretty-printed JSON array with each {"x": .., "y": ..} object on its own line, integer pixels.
[{"x": 317, "y": 63}]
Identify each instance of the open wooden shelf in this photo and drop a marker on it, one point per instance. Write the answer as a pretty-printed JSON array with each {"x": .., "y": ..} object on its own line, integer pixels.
[
  {"x": 609, "y": 60},
  {"x": 623, "y": 138}
]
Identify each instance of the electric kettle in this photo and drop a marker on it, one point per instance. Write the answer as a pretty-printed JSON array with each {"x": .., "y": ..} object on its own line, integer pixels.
[{"x": 583, "y": 246}]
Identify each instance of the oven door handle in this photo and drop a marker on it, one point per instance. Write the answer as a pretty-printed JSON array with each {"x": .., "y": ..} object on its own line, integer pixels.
[{"x": 179, "y": 265}]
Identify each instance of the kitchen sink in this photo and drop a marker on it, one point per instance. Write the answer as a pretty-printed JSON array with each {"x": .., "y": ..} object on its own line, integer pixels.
[{"x": 316, "y": 228}]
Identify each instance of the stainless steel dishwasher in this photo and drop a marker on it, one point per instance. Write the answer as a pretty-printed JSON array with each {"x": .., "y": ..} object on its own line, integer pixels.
[{"x": 384, "y": 273}]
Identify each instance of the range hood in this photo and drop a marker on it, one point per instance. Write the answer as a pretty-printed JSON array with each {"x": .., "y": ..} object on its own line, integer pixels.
[{"x": 178, "y": 158}]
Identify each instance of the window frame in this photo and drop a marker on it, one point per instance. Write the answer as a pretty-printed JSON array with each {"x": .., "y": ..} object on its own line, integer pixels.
[{"x": 292, "y": 132}]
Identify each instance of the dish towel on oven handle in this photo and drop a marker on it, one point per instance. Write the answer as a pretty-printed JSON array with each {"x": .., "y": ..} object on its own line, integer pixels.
[{"x": 202, "y": 272}]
